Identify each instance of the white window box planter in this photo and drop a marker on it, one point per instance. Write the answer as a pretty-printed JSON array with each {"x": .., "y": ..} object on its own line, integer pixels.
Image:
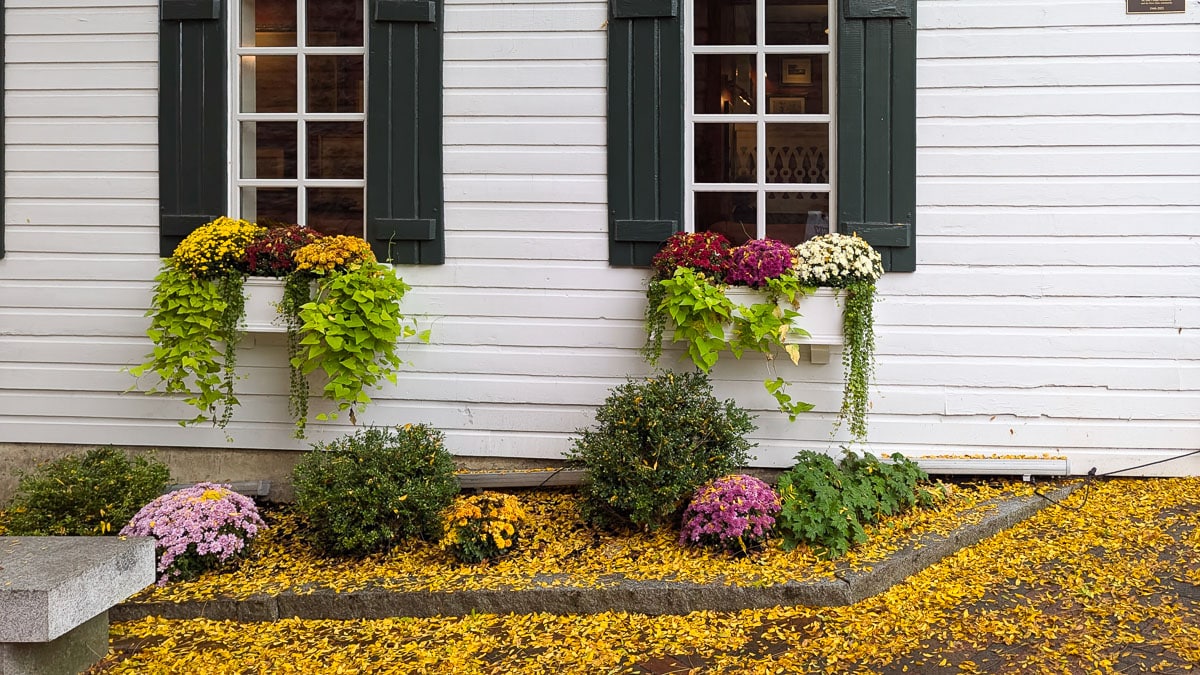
[
  {"x": 263, "y": 296},
  {"x": 820, "y": 314}
]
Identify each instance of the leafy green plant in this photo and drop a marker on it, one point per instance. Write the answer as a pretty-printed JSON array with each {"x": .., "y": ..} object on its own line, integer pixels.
[
  {"x": 890, "y": 486},
  {"x": 655, "y": 441},
  {"x": 350, "y": 330},
  {"x": 195, "y": 328},
  {"x": 196, "y": 314},
  {"x": 826, "y": 504},
  {"x": 708, "y": 322},
  {"x": 96, "y": 492},
  {"x": 858, "y": 356},
  {"x": 367, "y": 491},
  {"x": 820, "y": 506},
  {"x": 297, "y": 292}
]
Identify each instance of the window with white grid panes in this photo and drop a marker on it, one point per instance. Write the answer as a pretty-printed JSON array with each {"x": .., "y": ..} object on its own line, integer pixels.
[
  {"x": 299, "y": 111},
  {"x": 759, "y": 88}
]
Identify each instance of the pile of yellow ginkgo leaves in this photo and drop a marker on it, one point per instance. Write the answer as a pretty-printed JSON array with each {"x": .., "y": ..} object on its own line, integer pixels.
[{"x": 1107, "y": 582}]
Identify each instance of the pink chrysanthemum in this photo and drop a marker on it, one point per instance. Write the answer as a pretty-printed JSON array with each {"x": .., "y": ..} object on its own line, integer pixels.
[
  {"x": 758, "y": 260},
  {"x": 196, "y": 528},
  {"x": 733, "y": 513}
]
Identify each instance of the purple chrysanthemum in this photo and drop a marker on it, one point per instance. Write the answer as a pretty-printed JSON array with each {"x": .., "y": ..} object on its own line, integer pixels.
[
  {"x": 757, "y": 261},
  {"x": 732, "y": 513},
  {"x": 196, "y": 528}
]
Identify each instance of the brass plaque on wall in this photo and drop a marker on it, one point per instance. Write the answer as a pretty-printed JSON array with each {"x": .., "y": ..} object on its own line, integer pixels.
[{"x": 1154, "y": 6}]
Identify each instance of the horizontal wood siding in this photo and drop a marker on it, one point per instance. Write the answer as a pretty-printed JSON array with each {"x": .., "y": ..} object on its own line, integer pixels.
[
  {"x": 1059, "y": 204},
  {"x": 1055, "y": 307}
]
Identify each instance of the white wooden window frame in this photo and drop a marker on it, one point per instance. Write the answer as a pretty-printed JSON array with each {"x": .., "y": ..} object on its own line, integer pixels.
[
  {"x": 760, "y": 49},
  {"x": 237, "y": 138}
]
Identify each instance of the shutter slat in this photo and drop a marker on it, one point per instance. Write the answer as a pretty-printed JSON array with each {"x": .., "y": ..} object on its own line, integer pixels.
[
  {"x": 187, "y": 10},
  {"x": 881, "y": 234},
  {"x": 404, "y": 135},
  {"x": 653, "y": 231},
  {"x": 878, "y": 9},
  {"x": 192, "y": 119},
  {"x": 645, "y": 9},
  {"x": 645, "y": 128},
  {"x": 413, "y": 11}
]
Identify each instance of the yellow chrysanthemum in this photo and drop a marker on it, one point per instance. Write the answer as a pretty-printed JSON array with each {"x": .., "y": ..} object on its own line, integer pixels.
[
  {"x": 336, "y": 253},
  {"x": 215, "y": 248}
]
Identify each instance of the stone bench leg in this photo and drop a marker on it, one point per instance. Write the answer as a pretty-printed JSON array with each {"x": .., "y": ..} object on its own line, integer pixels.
[{"x": 73, "y": 652}]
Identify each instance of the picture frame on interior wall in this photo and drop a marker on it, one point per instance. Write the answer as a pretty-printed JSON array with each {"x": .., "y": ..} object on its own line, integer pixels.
[
  {"x": 797, "y": 71},
  {"x": 786, "y": 105}
]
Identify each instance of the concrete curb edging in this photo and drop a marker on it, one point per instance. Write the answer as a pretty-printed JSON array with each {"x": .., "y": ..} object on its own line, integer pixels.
[{"x": 642, "y": 597}]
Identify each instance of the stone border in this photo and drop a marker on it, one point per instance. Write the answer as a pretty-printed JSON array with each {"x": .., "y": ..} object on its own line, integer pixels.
[{"x": 643, "y": 597}]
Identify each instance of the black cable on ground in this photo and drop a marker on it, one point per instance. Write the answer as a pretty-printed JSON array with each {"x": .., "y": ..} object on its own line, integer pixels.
[{"x": 1092, "y": 476}]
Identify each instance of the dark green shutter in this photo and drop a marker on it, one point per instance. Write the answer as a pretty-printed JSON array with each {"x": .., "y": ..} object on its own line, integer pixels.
[
  {"x": 405, "y": 222},
  {"x": 877, "y": 165},
  {"x": 645, "y": 128},
  {"x": 192, "y": 129}
]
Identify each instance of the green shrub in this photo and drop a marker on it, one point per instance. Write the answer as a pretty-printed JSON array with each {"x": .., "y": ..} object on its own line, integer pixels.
[
  {"x": 365, "y": 492},
  {"x": 93, "y": 493},
  {"x": 655, "y": 442},
  {"x": 826, "y": 504}
]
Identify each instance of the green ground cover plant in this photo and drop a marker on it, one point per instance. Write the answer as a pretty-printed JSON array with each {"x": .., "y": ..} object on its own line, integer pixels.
[{"x": 827, "y": 504}]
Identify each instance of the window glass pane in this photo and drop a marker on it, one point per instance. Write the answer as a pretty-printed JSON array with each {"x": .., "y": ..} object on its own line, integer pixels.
[
  {"x": 797, "y": 216},
  {"x": 725, "y": 153},
  {"x": 268, "y": 150},
  {"x": 724, "y": 22},
  {"x": 268, "y": 84},
  {"x": 268, "y": 23},
  {"x": 335, "y": 84},
  {"x": 794, "y": 77},
  {"x": 725, "y": 84},
  {"x": 797, "y": 22},
  {"x": 269, "y": 206},
  {"x": 733, "y": 214},
  {"x": 335, "y": 150},
  {"x": 334, "y": 23},
  {"x": 797, "y": 153},
  {"x": 336, "y": 210}
]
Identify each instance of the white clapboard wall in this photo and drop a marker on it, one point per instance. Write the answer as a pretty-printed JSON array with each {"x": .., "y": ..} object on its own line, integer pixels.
[{"x": 1055, "y": 308}]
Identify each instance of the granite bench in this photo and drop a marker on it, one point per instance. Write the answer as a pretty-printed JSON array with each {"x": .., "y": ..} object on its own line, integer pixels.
[{"x": 55, "y": 593}]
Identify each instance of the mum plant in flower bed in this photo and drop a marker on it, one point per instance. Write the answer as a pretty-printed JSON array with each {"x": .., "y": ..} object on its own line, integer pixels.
[
  {"x": 196, "y": 529},
  {"x": 348, "y": 330},
  {"x": 693, "y": 271},
  {"x": 482, "y": 527},
  {"x": 733, "y": 513}
]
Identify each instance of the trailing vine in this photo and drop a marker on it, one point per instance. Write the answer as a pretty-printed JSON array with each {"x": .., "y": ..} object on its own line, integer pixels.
[
  {"x": 190, "y": 318},
  {"x": 708, "y": 322},
  {"x": 350, "y": 332},
  {"x": 858, "y": 357},
  {"x": 296, "y": 293}
]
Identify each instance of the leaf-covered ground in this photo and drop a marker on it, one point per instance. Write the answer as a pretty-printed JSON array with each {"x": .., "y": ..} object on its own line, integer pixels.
[
  {"x": 1109, "y": 584},
  {"x": 556, "y": 549}
]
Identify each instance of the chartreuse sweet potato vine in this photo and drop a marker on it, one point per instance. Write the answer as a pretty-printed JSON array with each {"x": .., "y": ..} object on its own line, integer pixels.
[
  {"x": 349, "y": 331},
  {"x": 1107, "y": 588},
  {"x": 196, "y": 313}
]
